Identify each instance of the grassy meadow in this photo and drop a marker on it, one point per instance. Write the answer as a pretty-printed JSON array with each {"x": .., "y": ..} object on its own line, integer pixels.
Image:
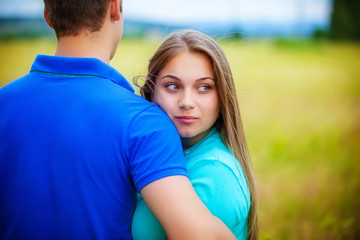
[{"x": 300, "y": 104}]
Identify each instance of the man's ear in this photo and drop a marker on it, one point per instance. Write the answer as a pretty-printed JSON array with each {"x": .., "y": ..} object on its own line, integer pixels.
[
  {"x": 46, "y": 16},
  {"x": 115, "y": 9}
]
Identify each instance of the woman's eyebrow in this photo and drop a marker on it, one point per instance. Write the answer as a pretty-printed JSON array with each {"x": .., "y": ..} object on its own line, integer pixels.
[
  {"x": 205, "y": 78},
  {"x": 178, "y": 79},
  {"x": 171, "y": 76}
]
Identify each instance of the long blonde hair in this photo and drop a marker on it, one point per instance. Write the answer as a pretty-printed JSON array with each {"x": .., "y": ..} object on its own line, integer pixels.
[{"x": 229, "y": 122}]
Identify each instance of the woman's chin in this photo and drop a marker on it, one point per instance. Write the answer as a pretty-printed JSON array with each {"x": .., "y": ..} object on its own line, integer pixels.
[{"x": 187, "y": 135}]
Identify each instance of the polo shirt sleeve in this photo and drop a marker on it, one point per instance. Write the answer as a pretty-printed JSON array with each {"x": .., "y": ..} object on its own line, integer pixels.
[
  {"x": 222, "y": 192},
  {"x": 154, "y": 148}
]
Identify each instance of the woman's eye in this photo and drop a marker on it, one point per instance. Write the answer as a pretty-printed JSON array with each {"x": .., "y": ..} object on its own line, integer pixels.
[
  {"x": 172, "y": 86},
  {"x": 204, "y": 88}
]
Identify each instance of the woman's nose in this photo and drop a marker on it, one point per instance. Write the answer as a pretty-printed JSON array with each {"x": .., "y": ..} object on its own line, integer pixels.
[{"x": 186, "y": 101}]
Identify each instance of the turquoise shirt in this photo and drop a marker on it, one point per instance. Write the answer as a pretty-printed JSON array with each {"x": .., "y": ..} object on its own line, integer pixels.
[{"x": 219, "y": 181}]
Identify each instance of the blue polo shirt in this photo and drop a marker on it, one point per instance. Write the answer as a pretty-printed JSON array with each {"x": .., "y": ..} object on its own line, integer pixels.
[{"x": 76, "y": 144}]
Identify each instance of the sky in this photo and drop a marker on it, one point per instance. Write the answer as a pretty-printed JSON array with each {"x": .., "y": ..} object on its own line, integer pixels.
[
  {"x": 185, "y": 11},
  {"x": 190, "y": 11}
]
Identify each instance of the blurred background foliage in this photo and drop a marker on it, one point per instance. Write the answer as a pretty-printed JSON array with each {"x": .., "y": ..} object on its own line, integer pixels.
[
  {"x": 345, "y": 20},
  {"x": 300, "y": 103}
]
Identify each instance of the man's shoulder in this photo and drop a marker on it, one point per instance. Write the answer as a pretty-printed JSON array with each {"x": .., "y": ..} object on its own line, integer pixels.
[
  {"x": 14, "y": 86},
  {"x": 134, "y": 105},
  {"x": 151, "y": 116}
]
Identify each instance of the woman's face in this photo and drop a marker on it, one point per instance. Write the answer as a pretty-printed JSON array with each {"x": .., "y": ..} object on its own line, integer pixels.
[{"x": 185, "y": 89}]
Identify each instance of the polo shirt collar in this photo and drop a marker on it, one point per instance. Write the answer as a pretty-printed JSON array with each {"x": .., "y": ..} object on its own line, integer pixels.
[{"x": 79, "y": 67}]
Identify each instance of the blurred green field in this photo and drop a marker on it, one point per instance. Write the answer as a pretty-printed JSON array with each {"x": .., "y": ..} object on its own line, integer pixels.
[{"x": 300, "y": 104}]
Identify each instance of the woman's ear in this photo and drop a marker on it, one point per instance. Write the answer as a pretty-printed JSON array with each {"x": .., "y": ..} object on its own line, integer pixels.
[{"x": 47, "y": 19}]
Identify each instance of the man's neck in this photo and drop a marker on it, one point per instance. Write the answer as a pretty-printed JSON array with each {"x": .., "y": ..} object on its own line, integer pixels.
[{"x": 85, "y": 46}]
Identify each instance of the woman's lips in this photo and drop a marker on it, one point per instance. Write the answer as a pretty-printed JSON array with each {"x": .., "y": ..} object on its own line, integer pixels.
[{"x": 186, "y": 119}]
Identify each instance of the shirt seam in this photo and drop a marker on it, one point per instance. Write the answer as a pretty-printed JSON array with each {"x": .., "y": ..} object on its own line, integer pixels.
[
  {"x": 130, "y": 126},
  {"x": 68, "y": 75}
]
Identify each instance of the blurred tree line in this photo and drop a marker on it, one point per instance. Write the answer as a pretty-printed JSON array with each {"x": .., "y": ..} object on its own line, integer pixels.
[{"x": 345, "y": 20}]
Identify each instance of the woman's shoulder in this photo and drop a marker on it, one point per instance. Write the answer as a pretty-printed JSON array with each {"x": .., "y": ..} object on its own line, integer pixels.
[
  {"x": 213, "y": 151},
  {"x": 216, "y": 174},
  {"x": 213, "y": 162}
]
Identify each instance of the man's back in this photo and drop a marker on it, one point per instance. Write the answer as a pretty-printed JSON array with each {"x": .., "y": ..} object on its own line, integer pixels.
[{"x": 71, "y": 151}]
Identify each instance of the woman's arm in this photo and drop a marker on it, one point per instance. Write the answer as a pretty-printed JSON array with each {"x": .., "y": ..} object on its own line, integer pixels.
[{"x": 180, "y": 211}]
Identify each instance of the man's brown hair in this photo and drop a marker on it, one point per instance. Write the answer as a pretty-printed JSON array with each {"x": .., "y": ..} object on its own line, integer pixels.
[{"x": 70, "y": 17}]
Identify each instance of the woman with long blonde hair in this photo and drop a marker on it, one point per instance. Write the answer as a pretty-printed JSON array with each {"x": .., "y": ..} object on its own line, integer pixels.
[{"x": 190, "y": 78}]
